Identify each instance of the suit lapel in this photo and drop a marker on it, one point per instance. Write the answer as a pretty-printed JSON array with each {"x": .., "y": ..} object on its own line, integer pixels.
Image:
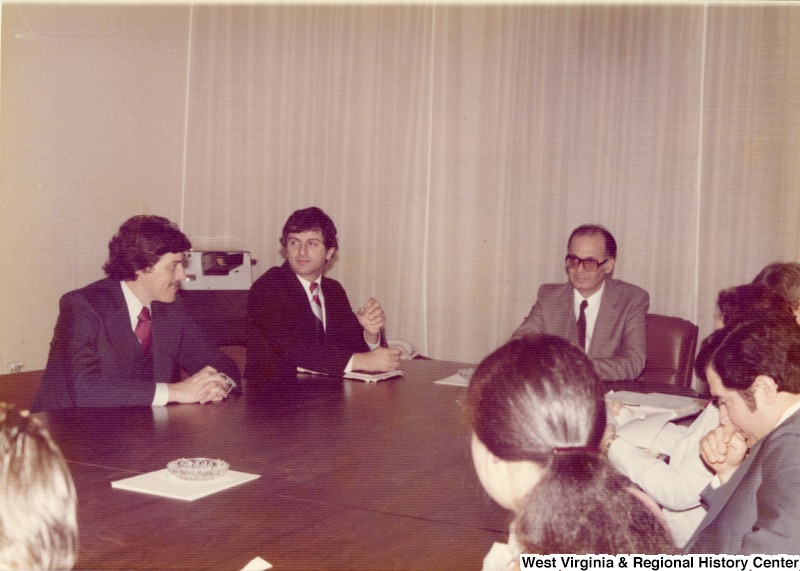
[
  {"x": 298, "y": 298},
  {"x": 566, "y": 302},
  {"x": 724, "y": 494},
  {"x": 605, "y": 316},
  {"x": 729, "y": 488},
  {"x": 165, "y": 343},
  {"x": 117, "y": 321}
]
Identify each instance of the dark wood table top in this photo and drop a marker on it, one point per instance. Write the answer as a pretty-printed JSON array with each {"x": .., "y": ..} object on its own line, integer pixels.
[{"x": 353, "y": 476}]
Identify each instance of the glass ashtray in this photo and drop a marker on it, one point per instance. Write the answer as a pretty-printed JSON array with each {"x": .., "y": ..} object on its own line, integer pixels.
[{"x": 197, "y": 468}]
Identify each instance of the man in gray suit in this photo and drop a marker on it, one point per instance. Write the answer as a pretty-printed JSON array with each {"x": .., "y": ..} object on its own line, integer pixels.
[
  {"x": 753, "y": 373},
  {"x": 602, "y": 316}
]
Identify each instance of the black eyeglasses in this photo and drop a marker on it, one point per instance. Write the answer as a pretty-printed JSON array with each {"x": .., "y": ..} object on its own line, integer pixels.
[{"x": 589, "y": 264}]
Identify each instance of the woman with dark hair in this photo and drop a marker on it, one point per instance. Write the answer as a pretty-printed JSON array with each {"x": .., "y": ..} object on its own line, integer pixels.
[
  {"x": 785, "y": 278},
  {"x": 537, "y": 415},
  {"x": 748, "y": 302}
]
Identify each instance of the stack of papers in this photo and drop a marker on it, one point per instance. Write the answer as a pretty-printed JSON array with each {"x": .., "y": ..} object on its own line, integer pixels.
[
  {"x": 642, "y": 415},
  {"x": 162, "y": 483},
  {"x": 356, "y": 375}
]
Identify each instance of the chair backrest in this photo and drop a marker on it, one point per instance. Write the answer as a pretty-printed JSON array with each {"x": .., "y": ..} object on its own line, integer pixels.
[
  {"x": 221, "y": 314},
  {"x": 20, "y": 388},
  {"x": 671, "y": 344},
  {"x": 238, "y": 353}
]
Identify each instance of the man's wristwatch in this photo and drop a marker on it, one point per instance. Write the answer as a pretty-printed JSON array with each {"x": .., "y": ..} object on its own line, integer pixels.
[{"x": 231, "y": 384}]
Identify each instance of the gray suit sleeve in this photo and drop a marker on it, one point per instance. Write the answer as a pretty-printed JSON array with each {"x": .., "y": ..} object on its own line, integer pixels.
[
  {"x": 532, "y": 324},
  {"x": 777, "y": 527},
  {"x": 629, "y": 358}
]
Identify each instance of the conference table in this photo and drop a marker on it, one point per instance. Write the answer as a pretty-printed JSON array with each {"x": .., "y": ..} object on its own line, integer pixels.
[{"x": 352, "y": 476}]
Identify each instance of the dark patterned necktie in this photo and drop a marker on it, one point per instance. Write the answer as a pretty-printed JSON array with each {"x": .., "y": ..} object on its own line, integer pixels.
[{"x": 582, "y": 325}]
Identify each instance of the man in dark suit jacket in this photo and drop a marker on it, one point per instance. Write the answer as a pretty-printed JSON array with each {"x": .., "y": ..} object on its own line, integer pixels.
[
  {"x": 123, "y": 340},
  {"x": 753, "y": 373},
  {"x": 614, "y": 315},
  {"x": 298, "y": 317}
]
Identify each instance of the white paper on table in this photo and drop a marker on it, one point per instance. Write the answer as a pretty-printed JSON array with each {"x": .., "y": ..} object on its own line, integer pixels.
[
  {"x": 643, "y": 415},
  {"x": 257, "y": 564},
  {"x": 457, "y": 380},
  {"x": 162, "y": 483},
  {"x": 657, "y": 402},
  {"x": 642, "y": 430}
]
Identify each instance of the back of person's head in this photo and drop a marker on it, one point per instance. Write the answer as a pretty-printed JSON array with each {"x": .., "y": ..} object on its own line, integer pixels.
[
  {"x": 751, "y": 301},
  {"x": 38, "y": 525},
  {"x": 593, "y": 230},
  {"x": 784, "y": 277},
  {"x": 582, "y": 505},
  {"x": 744, "y": 351},
  {"x": 538, "y": 399},
  {"x": 308, "y": 219},
  {"x": 535, "y": 394},
  {"x": 139, "y": 244}
]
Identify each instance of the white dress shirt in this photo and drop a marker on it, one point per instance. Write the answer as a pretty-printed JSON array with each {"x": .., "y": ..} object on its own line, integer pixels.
[
  {"x": 590, "y": 312},
  {"x": 321, "y": 295},
  {"x": 135, "y": 306}
]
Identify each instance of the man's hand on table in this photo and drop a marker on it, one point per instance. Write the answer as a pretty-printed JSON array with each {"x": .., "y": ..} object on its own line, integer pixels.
[
  {"x": 379, "y": 360},
  {"x": 207, "y": 385}
]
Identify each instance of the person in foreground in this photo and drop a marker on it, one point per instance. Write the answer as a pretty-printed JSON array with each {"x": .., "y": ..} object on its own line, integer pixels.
[
  {"x": 753, "y": 503},
  {"x": 300, "y": 318},
  {"x": 38, "y": 524},
  {"x": 604, "y": 317},
  {"x": 123, "y": 340},
  {"x": 536, "y": 411},
  {"x": 677, "y": 485}
]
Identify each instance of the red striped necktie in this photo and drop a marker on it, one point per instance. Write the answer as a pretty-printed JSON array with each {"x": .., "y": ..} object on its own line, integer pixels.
[
  {"x": 316, "y": 307},
  {"x": 143, "y": 333}
]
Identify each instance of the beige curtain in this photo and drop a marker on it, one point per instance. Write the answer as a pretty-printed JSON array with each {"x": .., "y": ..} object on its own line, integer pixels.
[{"x": 457, "y": 146}]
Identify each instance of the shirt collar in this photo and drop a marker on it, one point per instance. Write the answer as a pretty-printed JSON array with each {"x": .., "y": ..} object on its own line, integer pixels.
[
  {"x": 307, "y": 286},
  {"x": 134, "y": 305},
  {"x": 593, "y": 299},
  {"x": 788, "y": 412}
]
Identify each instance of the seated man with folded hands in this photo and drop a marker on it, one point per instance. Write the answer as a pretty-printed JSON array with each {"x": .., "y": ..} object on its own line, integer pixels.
[{"x": 125, "y": 339}]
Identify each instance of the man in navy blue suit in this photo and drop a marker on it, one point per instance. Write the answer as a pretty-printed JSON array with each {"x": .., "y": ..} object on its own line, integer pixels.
[
  {"x": 300, "y": 318},
  {"x": 124, "y": 340}
]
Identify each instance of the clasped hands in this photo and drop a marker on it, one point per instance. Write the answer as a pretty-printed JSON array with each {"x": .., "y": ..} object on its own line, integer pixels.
[
  {"x": 207, "y": 385},
  {"x": 723, "y": 450}
]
